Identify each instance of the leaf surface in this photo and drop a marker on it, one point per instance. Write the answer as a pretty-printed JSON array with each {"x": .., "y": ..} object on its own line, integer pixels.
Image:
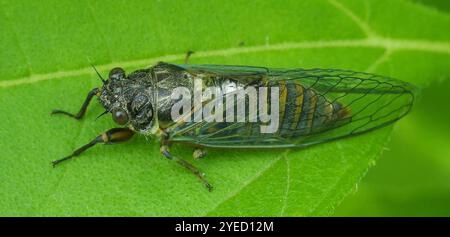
[{"x": 45, "y": 51}]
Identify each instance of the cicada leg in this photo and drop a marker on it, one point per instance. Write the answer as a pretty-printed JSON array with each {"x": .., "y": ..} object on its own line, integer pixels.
[
  {"x": 83, "y": 108},
  {"x": 112, "y": 136},
  {"x": 199, "y": 153},
  {"x": 188, "y": 55},
  {"x": 165, "y": 152}
]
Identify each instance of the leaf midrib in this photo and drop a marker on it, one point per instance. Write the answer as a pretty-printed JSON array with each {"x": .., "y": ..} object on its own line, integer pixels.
[
  {"x": 372, "y": 40},
  {"x": 387, "y": 43}
]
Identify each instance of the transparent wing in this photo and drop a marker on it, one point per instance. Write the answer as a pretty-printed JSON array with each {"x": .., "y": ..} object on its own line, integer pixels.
[
  {"x": 226, "y": 70},
  {"x": 362, "y": 101},
  {"x": 245, "y": 74},
  {"x": 367, "y": 101}
]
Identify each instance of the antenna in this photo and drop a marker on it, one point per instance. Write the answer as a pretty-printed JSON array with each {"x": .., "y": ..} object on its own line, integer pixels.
[
  {"x": 98, "y": 74},
  {"x": 106, "y": 111}
]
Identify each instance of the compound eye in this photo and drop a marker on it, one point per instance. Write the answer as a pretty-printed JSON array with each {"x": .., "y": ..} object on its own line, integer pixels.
[
  {"x": 120, "y": 116},
  {"x": 117, "y": 73}
]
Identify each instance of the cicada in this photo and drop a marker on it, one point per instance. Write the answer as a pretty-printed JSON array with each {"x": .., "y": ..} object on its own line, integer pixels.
[{"x": 310, "y": 106}]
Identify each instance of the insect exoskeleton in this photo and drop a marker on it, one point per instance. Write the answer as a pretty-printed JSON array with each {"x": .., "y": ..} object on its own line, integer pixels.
[{"x": 244, "y": 107}]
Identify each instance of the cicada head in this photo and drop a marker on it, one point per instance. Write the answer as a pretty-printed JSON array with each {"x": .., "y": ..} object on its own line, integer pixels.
[{"x": 129, "y": 98}]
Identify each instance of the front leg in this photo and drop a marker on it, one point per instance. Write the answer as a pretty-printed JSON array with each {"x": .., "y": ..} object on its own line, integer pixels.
[
  {"x": 165, "y": 152},
  {"x": 111, "y": 136},
  {"x": 83, "y": 108}
]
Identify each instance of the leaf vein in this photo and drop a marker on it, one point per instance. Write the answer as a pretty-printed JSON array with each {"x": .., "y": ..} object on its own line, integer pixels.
[
  {"x": 248, "y": 182},
  {"x": 358, "y": 21},
  {"x": 288, "y": 186},
  {"x": 384, "y": 57}
]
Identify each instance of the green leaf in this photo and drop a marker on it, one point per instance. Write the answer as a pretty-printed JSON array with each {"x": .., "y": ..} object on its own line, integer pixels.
[{"x": 45, "y": 53}]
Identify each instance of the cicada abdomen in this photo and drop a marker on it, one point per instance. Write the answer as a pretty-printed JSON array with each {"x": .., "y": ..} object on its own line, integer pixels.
[{"x": 304, "y": 111}]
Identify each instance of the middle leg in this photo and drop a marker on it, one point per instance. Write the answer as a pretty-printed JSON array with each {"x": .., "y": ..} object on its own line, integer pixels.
[{"x": 165, "y": 152}]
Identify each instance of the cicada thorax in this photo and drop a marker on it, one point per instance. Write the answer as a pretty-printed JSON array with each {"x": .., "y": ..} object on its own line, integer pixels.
[{"x": 168, "y": 77}]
